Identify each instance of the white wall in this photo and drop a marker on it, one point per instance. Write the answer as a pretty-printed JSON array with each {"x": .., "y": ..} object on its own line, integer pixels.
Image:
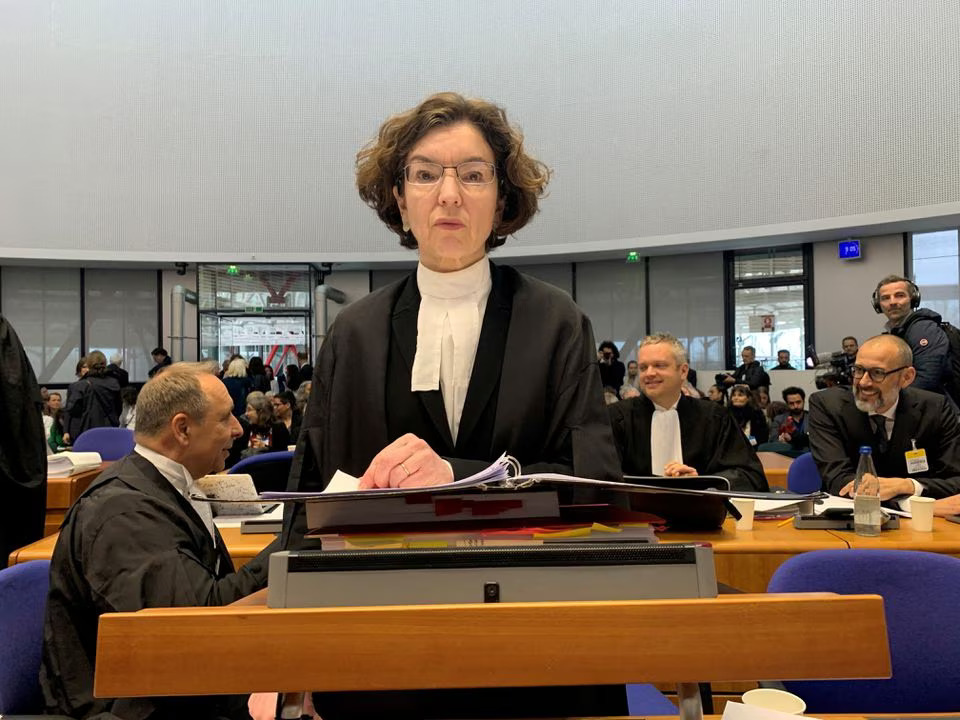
[{"x": 842, "y": 289}]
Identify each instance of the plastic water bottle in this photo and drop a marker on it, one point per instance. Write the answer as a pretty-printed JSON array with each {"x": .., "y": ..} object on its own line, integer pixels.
[{"x": 866, "y": 497}]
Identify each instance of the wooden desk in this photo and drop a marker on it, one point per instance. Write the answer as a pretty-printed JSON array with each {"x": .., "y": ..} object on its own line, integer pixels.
[
  {"x": 242, "y": 548},
  {"x": 62, "y": 493},
  {"x": 745, "y": 560},
  {"x": 248, "y": 648},
  {"x": 944, "y": 539},
  {"x": 775, "y": 467}
]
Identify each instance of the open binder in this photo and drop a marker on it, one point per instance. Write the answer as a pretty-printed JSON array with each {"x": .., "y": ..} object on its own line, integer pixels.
[{"x": 694, "y": 502}]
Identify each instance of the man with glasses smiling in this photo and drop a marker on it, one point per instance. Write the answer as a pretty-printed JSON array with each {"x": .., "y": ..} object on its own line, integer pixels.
[{"x": 896, "y": 421}]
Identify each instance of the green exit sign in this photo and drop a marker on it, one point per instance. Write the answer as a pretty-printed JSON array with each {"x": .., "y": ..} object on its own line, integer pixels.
[
  {"x": 633, "y": 256},
  {"x": 254, "y": 308},
  {"x": 233, "y": 270}
]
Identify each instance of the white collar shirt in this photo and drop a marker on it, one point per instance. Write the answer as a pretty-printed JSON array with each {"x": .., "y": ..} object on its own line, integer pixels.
[
  {"x": 448, "y": 331},
  {"x": 665, "y": 445},
  {"x": 182, "y": 481}
]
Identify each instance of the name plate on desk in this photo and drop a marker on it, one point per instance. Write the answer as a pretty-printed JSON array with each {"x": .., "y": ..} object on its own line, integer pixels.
[{"x": 541, "y": 573}]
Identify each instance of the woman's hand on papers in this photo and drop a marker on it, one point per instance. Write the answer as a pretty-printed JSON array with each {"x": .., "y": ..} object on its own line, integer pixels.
[
  {"x": 406, "y": 462},
  {"x": 677, "y": 469}
]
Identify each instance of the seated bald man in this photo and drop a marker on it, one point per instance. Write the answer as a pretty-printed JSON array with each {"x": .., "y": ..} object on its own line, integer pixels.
[
  {"x": 884, "y": 412},
  {"x": 134, "y": 540}
]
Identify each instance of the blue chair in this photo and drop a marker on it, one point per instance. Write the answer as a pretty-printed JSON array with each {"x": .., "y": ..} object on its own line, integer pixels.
[
  {"x": 920, "y": 592},
  {"x": 270, "y": 471},
  {"x": 803, "y": 476},
  {"x": 645, "y": 699},
  {"x": 23, "y": 599},
  {"x": 112, "y": 443}
]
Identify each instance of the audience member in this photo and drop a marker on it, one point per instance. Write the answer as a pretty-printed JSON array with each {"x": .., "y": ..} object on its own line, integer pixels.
[
  {"x": 751, "y": 373},
  {"x": 54, "y": 402},
  {"x": 161, "y": 358},
  {"x": 632, "y": 378},
  {"x": 850, "y": 347},
  {"x": 292, "y": 376},
  {"x": 886, "y": 413},
  {"x": 266, "y": 432},
  {"x": 749, "y": 417},
  {"x": 272, "y": 379},
  {"x": 305, "y": 369},
  {"x": 56, "y": 435},
  {"x": 259, "y": 382},
  {"x": 285, "y": 410},
  {"x": 238, "y": 384},
  {"x": 790, "y": 427},
  {"x": 303, "y": 396},
  {"x": 783, "y": 361},
  {"x": 135, "y": 539},
  {"x": 23, "y": 454},
  {"x": 717, "y": 395},
  {"x": 689, "y": 390},
  {"x": 774, "y": 409},
  {"x": 761, "y": 397},
  {"x": 115, "y": 370},
  {"x": 612, "y": 370},
  {"x": 899, "y": 300},
  {"x": 93, "y": 401},
  {"x": 128, "y": 415},
  {"x": 629, "y": 391},
  {"x": 666, "y": 433}
]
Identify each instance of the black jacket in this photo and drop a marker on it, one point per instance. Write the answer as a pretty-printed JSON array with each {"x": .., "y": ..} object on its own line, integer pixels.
[
  {"x": 23, "y": 450},
  {"x": 838, "y": 429},
  {"x": 710, "y": 439},
  {"x": 132, "y": 541},
  {"x": 92, "y": 402},
  {"x": 922, "y": 332},
  {"x": 121, "y": 375}
]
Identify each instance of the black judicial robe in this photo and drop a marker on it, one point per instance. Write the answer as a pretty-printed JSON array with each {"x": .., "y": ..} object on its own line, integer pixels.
[
  {"x": 132, "y": 541},
  {"x": 711, "y": 441},
  {"x": 23, "y": 448},
  {"x": 534, "y": 393}
]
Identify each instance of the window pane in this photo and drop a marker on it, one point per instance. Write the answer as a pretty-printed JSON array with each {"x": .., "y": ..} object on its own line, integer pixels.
[
  {"x": 121, "y": 317},
  {"x": 770, "y": 319},
  {"x": 43, "y": 305},
  {"x": 239, "y": 287},
  {"x": 275, "y": 339},
  {"x": 936, "y": 270},
  {"x": 768, "y": 264},
  {"x": 685, "y": 300},
  {"x": 611, "y": 293}
]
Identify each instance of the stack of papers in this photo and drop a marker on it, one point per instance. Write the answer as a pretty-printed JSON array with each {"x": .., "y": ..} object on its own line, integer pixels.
[
  {"x": 491, "y": 537},
  {"x": 69, "y": 463}
]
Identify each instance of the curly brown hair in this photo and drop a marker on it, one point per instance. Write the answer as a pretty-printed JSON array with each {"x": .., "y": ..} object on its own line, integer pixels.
[{"x": 522, "y": 179}]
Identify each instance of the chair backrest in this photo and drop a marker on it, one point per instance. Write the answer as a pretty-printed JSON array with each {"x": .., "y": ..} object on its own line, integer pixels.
[
  {"x": 112, "y": 443},
  {"x": 920, "y": 592},
  {"x": 23, "y": 599},
  {"x": 269, "y": 470},
  {"x": 803, "y": 476}
]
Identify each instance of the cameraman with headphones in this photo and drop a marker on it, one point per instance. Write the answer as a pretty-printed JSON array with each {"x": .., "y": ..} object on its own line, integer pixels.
[{"x": 899, "y": 299}]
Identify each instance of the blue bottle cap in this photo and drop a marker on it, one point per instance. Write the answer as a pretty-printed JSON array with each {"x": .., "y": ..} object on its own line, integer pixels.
[{"x": 865, "y": 450}]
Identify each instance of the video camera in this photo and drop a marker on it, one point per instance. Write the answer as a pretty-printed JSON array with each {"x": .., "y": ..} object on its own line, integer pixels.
[{"x": 839, "y": 367}]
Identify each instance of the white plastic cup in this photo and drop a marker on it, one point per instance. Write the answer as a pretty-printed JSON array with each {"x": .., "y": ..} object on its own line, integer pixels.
[
  {"x": 921, "y": 512},
  {"x": 745, "y": 506},
  {"x": 771, "y": 699}
]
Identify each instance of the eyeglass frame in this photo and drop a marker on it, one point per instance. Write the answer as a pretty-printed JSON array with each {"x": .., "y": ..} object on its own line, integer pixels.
[
  {"x": 872, "y": 371},
  {"x": 444, "y": 168}
]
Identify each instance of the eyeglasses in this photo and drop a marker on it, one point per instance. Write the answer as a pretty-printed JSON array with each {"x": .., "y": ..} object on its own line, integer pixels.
[
  {"x": 472, "y": 173},
  {"x": 878, "y": 375}
]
